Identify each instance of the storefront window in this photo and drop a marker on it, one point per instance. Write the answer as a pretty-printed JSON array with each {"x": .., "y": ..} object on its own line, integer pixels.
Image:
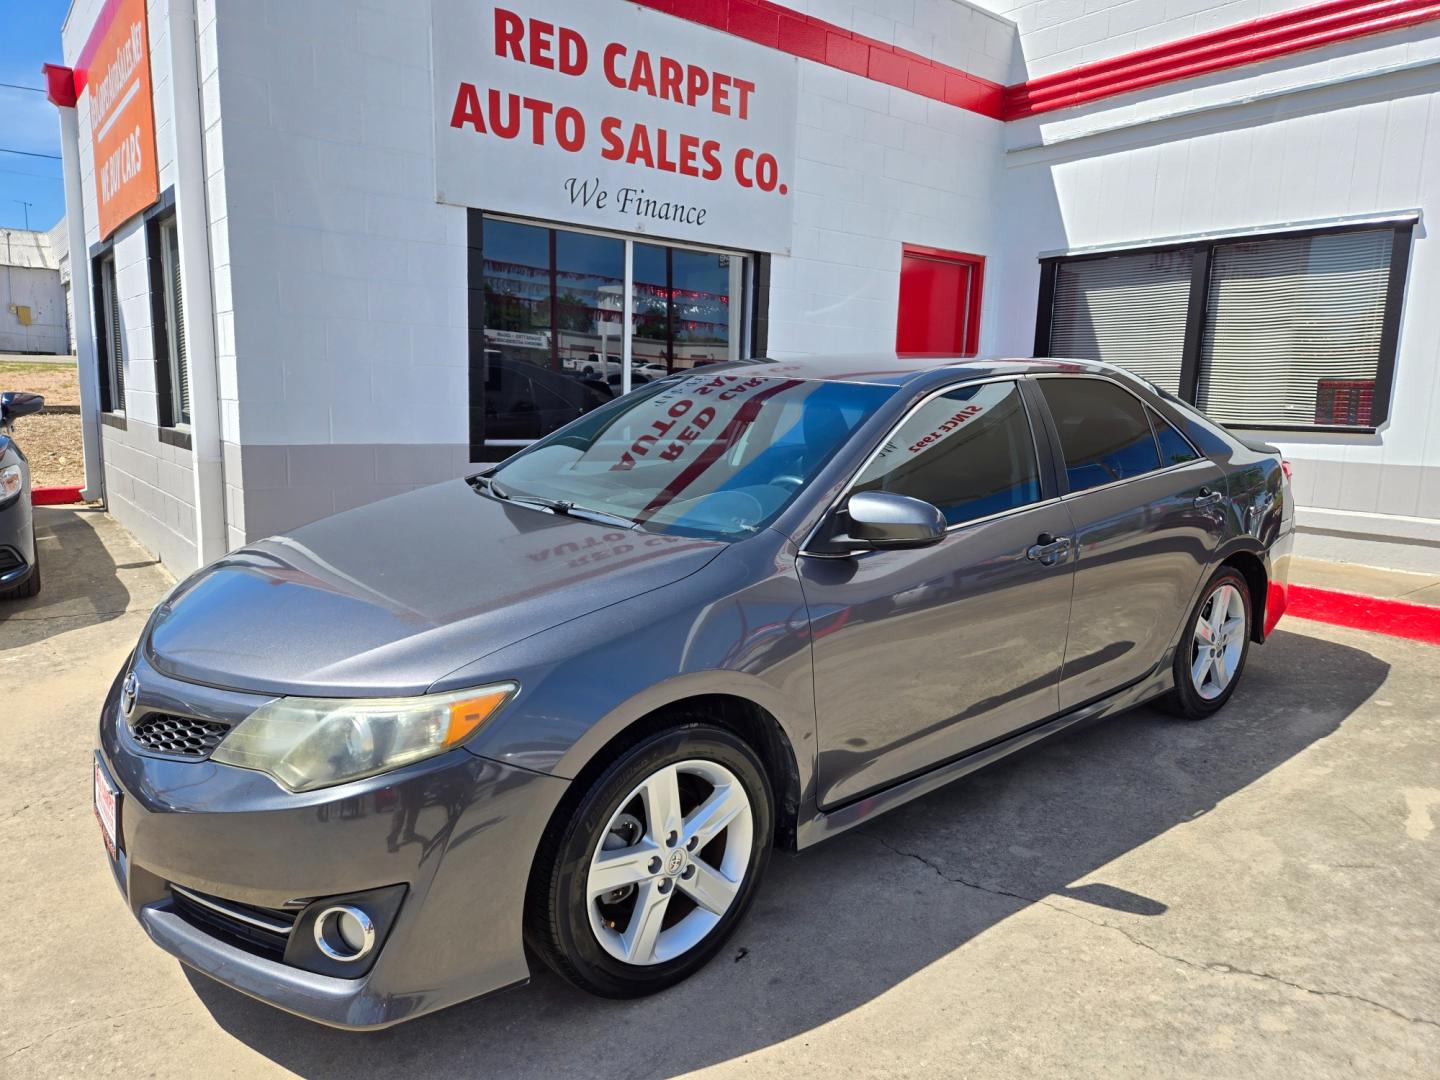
[
  {"x": 651, "y": 344},
  {"x": 1286, "y": 332},
  {"x": 555, "y": 313}
]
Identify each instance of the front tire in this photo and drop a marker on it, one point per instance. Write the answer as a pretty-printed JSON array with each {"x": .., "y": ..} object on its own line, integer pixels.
[
  {"x": 643, "y": 883},
  {"x": 1210, "y": 657}
]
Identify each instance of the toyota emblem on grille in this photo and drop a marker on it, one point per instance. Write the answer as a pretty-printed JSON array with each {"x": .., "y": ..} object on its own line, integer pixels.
[{"x": 128, "y": 692}]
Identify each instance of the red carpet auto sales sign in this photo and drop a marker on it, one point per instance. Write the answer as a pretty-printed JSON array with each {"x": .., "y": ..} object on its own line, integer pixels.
[{"x": 614, "y": 116}]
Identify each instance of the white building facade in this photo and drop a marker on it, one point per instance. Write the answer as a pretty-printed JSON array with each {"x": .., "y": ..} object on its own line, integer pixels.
[{"x": 376, "y": 242}]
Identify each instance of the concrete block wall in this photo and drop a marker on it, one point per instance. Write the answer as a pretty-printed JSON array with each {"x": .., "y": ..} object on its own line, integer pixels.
[
  {"x": 149, "y": 484},
  {"x": 347, "y": 310},
  {"x": 1319, "y": 136},
  {"x": 347, "y": 281},
  {"x": 877, "y": 167}
]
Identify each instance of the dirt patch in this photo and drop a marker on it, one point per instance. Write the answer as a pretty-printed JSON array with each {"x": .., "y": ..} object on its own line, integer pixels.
[
  {"x": 51, "y": 441},
  {"x": 57, "y": 382}
]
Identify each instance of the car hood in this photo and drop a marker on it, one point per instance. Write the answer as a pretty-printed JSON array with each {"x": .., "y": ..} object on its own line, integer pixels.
[{"x": 388, "y": 598}]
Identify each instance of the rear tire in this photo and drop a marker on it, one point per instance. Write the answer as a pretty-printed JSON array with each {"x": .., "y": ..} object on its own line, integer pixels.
[
  {"x": 681, "y": 824},
  {"x": 1210, "y": 656},
  {"x": 31, "y": 585}
]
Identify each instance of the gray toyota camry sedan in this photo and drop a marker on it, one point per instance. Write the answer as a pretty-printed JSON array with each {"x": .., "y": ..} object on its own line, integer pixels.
[{"x": 565, "y": 708}]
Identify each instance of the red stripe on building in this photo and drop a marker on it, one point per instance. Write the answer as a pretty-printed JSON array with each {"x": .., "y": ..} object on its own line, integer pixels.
[
  {"x": 1419, "y": 622},
  {"x": 789, "y": 31},
  {"x": 1232, "y": 46},
  {"x": 1266, "y": 38}
]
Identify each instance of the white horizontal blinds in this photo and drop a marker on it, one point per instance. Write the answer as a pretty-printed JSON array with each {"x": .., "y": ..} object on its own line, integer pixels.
[
  {"x": 1128, "y": 310},
  {"x": 175, "y": 320},
  {"x": 115, "y": 336},
  {"x": 1292, "y": 329}
]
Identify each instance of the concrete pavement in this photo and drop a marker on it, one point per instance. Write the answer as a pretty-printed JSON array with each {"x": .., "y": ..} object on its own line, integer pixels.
[
  {"x": 1412, "y": 588},
  {"x": 1254, "y": 895}
]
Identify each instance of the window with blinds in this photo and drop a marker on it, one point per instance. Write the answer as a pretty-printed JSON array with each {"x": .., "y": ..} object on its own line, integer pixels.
[
  {"x": 177, "y": 370},
  {"x": 1287, "y": 331},
  {"x": 1128, "y": 310},
  {"x": 113, "y": 336},
  {"x": 1292, "y": 330}
]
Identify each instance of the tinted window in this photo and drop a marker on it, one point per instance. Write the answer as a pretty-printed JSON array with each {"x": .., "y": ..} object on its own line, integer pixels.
[
  {"x": 968, "y": 452},
  {"x": 1175, "y": 449},
  {"x": 1103, "y": 431}
]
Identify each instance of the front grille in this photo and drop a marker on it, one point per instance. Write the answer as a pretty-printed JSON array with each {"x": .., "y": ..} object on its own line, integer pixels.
[
  {"x": 262, "y": 931},
  {"x": 183, "y": 736},
  {"x": 179, "y": 735}
]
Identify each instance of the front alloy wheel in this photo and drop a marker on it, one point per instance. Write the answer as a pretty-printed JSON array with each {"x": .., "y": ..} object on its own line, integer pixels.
[
  {"x": 662, "y": 878},
  {"x": 642, "y": 883}
]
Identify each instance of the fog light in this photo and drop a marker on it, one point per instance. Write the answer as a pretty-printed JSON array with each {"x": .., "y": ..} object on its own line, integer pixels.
[{"x": 344, "y": 933}]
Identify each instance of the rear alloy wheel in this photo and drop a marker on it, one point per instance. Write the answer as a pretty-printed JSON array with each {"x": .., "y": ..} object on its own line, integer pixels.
[
  {"x": 1211, "y": 655},
  {"x": 651, "y": 875}
]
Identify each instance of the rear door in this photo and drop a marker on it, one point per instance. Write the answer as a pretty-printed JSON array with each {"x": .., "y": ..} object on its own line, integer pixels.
[
  {"x": 923, "y": 655},
  {"x": 1148, "y": 513}
]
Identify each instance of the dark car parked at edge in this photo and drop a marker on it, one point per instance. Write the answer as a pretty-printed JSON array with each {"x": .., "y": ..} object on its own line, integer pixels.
[
  {"x": 572, "y": 702},
  {"x": 19, "y": 561}
]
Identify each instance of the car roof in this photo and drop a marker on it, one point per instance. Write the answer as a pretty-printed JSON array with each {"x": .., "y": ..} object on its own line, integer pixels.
[{"x": 897, "y": 369}]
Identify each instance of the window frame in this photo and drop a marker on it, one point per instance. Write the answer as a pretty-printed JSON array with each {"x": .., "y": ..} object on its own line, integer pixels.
[
  {"x": 1202, "y": 255},
  {"x": 102, "y": 260},
  {"x": 1062, "y": 475},
  {"x": 163, "y": 314},
  {"x": 1042, "y": 440},
  {"x": 173, "y": 428},
  {"x": 754, "y": 318}
]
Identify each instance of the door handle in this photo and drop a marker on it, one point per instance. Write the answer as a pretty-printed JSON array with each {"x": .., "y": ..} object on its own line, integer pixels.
[
  {"x": 1048, "y": 550},
  {"x": 1207, "y": 498}
]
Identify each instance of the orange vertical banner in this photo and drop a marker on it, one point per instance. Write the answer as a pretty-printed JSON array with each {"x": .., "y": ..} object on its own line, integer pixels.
[{"x": 114, "y": 69}]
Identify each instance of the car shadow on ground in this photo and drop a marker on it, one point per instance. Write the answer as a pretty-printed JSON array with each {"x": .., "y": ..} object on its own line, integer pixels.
[
  {"x": 836, "y": 926},
  {"x": 81, "y": 583}
]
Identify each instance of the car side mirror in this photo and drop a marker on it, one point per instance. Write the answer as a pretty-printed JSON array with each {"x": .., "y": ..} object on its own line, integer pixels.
[
  {"x": 882, "y": 520},
  {"x": 15, "y": 403}
]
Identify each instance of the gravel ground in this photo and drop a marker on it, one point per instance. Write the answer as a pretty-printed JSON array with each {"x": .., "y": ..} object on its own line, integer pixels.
[{"x": 50, "y": 440}]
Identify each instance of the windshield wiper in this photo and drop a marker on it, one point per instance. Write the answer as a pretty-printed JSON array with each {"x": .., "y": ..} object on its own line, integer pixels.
[{"x": 553, "y": 506}]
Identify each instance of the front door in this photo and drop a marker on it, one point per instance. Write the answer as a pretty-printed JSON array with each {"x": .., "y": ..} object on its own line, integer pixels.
[
  {"x": 1148, "y": 514},
  {"x": 923, "y": 655}
]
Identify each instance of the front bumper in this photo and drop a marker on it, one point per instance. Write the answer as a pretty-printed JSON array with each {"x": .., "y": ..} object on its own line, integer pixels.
[
  {"x": 458, "y": 832},
  {"x": 17, "y": 544}
]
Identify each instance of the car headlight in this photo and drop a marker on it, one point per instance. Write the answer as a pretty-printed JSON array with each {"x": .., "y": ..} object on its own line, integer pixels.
[
  {"x": 307, "y": 743},
  {"x": 10, "y": 481}
]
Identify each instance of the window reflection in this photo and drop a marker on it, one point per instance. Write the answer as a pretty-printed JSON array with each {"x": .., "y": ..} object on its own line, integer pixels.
[{"x": 555, "y": 320}]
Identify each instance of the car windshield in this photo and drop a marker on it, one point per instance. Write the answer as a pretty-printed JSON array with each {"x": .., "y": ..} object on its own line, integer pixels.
[{"x": 715, "y": 455}]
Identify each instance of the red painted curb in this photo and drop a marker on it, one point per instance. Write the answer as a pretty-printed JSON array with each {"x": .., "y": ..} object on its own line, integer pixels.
[
  {"x": 1418, "y": 622},
  {"x": 54, "y": 496}
]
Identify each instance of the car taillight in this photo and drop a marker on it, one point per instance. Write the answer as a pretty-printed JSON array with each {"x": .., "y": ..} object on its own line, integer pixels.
[{"x": 1285, "y": 467}]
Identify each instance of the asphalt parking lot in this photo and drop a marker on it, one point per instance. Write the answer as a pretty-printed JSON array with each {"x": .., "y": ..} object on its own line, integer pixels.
[{"x": 1256, "y": 895}]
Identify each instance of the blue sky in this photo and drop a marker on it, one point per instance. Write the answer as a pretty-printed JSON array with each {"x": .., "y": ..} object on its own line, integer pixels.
[{"x": 29, "y": 36}]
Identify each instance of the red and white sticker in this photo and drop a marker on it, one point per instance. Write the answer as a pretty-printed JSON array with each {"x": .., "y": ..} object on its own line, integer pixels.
[
  {"x": 934, "y": 422},
  {"x": 106, "y": 809}
]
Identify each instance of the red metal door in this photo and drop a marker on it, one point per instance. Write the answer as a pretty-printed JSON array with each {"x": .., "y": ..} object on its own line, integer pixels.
[{"x": 939, "y": 302}]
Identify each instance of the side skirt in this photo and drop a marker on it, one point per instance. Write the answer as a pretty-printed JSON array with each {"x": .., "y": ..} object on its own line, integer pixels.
[{"x": 843, "y": 818}]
